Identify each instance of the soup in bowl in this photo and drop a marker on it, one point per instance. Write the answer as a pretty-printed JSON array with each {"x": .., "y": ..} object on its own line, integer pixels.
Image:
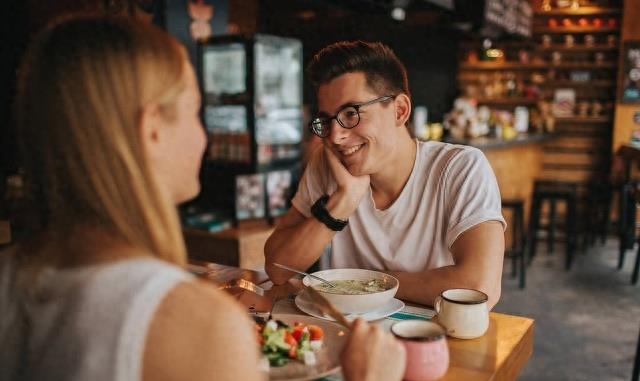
[{"x": 355, "y": 290}]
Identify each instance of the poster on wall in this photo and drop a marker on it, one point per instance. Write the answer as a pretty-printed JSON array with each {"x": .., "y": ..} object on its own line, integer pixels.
[{"x": 630, "y": 72}]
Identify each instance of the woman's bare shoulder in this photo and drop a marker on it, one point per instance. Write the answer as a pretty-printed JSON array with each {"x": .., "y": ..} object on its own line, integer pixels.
[{"x": 199, "y": 332}]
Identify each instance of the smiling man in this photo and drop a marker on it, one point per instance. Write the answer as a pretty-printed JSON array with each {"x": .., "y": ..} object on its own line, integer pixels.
[{"x": 428, "y": 213}]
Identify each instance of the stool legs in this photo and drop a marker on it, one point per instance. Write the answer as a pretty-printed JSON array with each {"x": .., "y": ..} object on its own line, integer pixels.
[
  {"x": 570, "y": 230},
  {"x": 636, "y": 268},
  {"x": 521, "y": 245},
  {"x": 534, "y": 221},
  {"x": 627, "y": 222},
  {"x": 636, "y": 362},
  {"x": 551, "y": 226}
]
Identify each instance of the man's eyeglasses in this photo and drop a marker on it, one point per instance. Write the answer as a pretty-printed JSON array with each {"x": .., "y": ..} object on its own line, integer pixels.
[{"x": 348, "y": 117}]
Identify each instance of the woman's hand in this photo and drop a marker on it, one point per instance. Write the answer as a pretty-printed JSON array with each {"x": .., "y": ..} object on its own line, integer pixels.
[{"x": 372, "y": 355}]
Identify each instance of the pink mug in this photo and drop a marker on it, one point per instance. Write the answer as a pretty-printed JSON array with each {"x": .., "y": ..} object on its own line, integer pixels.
[{"x": 426, "y": 346}]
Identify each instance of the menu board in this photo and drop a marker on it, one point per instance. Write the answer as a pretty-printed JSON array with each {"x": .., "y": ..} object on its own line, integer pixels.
[
  {"x": 224, "y": 69},
  {"x": 513, "y": 16},
  {"x": 630, "y": 89}
]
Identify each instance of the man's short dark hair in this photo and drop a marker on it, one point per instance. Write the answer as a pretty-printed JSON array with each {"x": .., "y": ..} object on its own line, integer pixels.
[{"x": 384, "y": 72}]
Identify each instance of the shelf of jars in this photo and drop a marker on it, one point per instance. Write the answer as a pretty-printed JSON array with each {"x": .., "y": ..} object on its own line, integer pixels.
[
  {"x": 581, "y": 11},
  {"x": 577, "y": 48},
  {"x": 575, "y": 29},
  {"x": 513, "y": 101},
  {"x": 537, "y": 66},
  {"x": 578, "y": 84},
  {"x": 583, "y": 119}
]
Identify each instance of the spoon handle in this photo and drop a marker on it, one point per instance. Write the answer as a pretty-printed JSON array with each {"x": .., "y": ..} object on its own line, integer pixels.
[{"x": 303, "y": 273}]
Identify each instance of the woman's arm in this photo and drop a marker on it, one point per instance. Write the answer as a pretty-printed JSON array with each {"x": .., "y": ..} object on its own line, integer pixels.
[{"x": 200, "y": 333}]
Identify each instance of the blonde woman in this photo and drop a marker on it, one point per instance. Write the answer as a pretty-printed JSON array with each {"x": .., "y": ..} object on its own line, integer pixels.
[{"x": 108, "y": 118}]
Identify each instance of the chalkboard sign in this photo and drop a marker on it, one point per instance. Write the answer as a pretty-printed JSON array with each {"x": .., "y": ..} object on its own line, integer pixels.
[
  {"x": 630, "y": 90},
  {"x": 512, "y": 16}
]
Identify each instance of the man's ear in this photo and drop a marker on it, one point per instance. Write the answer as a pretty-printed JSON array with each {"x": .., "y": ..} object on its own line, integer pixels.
[
  {"x": 403, "y": 109},
  {"x": 149, "y": 126}
]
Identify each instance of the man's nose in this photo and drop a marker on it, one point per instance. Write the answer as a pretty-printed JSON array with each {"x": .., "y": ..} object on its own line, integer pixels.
[{"x": 336, "y": 132}]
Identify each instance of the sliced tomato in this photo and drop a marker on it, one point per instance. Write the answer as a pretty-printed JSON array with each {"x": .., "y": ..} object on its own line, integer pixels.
[
  {"x": 290, "y": 339},
  {"x": 293, "y": 351},
  {"x": 316, "y": 332}
]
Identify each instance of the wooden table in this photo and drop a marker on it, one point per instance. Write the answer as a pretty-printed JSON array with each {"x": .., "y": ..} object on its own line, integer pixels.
[{"x": 500, "y": 354}]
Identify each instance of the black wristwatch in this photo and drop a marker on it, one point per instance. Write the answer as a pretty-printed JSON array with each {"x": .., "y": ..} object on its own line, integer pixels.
[{"x": 320, "y": 212}]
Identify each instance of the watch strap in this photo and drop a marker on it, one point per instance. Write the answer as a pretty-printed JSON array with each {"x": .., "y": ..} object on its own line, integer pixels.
[{"x": 320, "y": 212}]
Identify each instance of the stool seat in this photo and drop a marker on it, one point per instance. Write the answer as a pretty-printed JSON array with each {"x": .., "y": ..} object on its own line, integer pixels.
[
  {"x": 517, "y": 250},
  {"x": 553, "y": 191}
]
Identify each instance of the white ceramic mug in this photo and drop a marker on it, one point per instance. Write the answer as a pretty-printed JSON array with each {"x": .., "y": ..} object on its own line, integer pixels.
[{"x": 463, "y": 312}]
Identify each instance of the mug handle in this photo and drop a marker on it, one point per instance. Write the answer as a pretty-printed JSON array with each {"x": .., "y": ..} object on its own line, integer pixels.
[{"x": 437, "y": 304}]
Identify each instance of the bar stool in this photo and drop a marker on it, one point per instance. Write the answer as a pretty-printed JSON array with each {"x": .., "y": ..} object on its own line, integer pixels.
[
  {"x": 626, "y": 220},
  {"x": 517, "y": 250},
  {"x": 599, "y": 196},
  {"x": 554, "y": 191}
]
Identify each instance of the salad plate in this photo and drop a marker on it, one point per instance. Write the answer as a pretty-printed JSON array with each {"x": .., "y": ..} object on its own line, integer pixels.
[
  {"x": 327, "y": 357},
  {"x": 304, "y": 303}
]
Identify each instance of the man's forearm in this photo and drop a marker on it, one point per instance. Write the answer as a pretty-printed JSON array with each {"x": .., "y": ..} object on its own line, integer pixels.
[
  {"x": 297, "y": 246},
  {"x": 423, "y": 287}
]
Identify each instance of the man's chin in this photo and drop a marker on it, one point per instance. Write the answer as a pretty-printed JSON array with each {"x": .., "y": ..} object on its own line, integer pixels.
[{"x": 355, "y": 170}]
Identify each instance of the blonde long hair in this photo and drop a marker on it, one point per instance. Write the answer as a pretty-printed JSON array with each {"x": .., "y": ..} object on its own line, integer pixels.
[{"x": 82, "y": 89}]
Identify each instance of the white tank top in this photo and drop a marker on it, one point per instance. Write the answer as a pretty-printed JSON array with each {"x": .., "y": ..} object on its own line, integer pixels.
[{"x": 88, "y": 323}]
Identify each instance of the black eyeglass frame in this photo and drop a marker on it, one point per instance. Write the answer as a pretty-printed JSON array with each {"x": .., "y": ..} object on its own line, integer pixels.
[{"x": 322, "y": 121}]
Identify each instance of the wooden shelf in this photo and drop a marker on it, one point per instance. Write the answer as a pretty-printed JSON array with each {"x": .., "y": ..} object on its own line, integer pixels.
[
  {"x": 575, "y": 29},
  {"x": 582, "y": 11},
  {"x": 576, "y": 48},
  {"x": 585, "y": 120},
  {"x": 507, "y": 101},
  {"x": 502, "y": 66},
  {"x": 597, "y": 83},
  {"x": 581, "y": 65},
  {"x": 534, "y": 66}
]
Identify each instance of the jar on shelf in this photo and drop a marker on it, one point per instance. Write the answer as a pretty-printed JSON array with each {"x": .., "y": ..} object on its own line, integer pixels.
[
  {"x": 612, "y": 40},
  {"x": 583, "y": 22},
  {"x": 472, "y": 57},
  {"x": 546, "y": 5},
  {"x": 546, "y": 40},
  {"x": 596, "y": 109},
  {"x": 556, "y": 58},
  {"x": 569, "y": 40},
  {"x": 599, "y": 58},
  {"x": 583, "y": 109},
  {"x": 523, "y": 56},
  {"x": 589, "y": 40}
]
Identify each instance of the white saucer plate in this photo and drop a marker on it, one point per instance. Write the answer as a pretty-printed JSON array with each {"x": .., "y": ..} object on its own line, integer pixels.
[{"x": 305, "y": 305}]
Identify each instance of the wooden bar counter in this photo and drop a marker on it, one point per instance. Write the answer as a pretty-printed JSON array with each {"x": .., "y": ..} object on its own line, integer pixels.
[{"x": 516, "y": 162}]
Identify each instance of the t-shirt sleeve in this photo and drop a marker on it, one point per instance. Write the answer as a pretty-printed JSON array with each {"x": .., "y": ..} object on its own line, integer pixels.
[
  {"x": 314, "y": 183},
  {"x": 472, "y": 193}
]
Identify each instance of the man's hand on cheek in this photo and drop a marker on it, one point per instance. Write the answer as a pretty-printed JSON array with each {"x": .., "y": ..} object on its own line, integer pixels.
[{"x": 350, "y": 189}]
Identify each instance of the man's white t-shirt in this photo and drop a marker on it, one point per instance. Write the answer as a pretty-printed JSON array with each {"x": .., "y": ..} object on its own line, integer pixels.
[{"x": 451, "y": 189}]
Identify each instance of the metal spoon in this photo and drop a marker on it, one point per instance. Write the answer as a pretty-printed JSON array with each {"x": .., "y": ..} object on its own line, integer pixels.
[{"x": 303, "y": 273}]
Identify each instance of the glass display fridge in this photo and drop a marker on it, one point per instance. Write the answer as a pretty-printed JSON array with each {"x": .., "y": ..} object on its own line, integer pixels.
[{"x": 252, "y": 111}]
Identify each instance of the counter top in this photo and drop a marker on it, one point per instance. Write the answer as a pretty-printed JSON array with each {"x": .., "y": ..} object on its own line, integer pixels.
[{"x": 488, "y": 143}]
